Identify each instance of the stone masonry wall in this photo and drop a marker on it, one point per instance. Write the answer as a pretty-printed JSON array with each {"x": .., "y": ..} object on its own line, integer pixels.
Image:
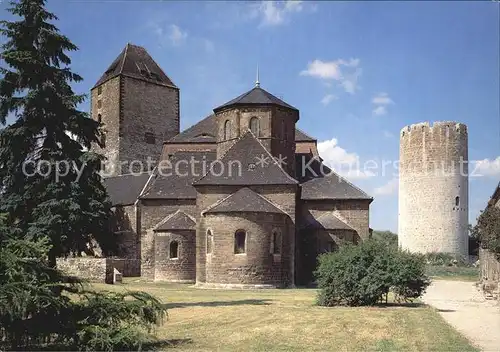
[
  {"x": 146, "y": 108},
  {"x": 105, "y": 103},
  {"x": 433, "y": 188},
  {"x": 152, "y": 212},
  {"x": 126, "y": 232},
  {"x": 91, "y": 268},
  {"x": 182, "y": 268},
  {"x": 283, "y": 137},
  {"x": 282, "y": 196},
  {"x": 258, "y": 265},
  {"x": 354, "y": 213}
]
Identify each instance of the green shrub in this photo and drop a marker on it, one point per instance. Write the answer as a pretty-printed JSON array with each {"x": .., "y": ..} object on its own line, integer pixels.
[
  {"x": 366, "y": 273},
  {"x": 409, "y": 279},
  {"x": 487, "y": 230},
  {"x": 388, "y": 237},
  {"x": 446, "y": 259}
]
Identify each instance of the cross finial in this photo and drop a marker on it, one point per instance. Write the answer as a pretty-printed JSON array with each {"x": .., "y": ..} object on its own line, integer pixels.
[{"x": 257, "y": 83}]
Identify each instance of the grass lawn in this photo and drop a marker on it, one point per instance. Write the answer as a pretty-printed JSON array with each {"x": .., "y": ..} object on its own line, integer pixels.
[
  {"x": 288, "y": 320},
  {"x": 441, "y": 272}
]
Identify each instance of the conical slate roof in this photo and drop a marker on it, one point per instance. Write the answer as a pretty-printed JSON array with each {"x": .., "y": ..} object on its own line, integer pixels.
[
  {"x": 244, "y": 200},
  {"x": 176, "y": 221},
  {"x": 247, "y": 162},
  {"x": 134, "y": 61},
  {"x": 255, "y": 96}
]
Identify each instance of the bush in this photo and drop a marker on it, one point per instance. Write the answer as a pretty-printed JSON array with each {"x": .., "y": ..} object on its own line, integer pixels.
[
  {"x": 446, "y": 259},
  {"x": 388, "y": 237},
  {"x": 366, "y": 273},
  {"x": 487, "y": 230}
]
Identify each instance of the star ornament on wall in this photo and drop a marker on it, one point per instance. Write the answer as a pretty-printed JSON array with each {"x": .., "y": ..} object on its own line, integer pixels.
[
  {"x": 281, "y": 160},
  {"x": 262, "y": 161}
]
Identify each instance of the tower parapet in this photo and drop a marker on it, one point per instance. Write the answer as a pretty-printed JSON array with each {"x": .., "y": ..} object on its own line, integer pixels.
[{"x": 433, "y": 188}]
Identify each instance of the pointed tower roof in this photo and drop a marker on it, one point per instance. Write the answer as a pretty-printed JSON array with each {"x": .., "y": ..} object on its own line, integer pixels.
[
  {"x": 255, "y": 96},
  {"x": 134, "y": 61}
]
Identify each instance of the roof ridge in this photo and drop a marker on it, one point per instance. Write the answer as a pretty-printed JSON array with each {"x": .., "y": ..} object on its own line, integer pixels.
[
  {"x": 147, "y": 182},
  {"x": 267, "y": 200},
  {"x": 190, "y": 127},
  {"x": 257, "y": 194},
  {"x": 348, "y": 182},
  {"x": 218, "y": 202},
  {"x": 165, "y": 219},
  {"x": 307, "y": 135},
  {"x": 271, "y": 156},
  {"x": 125, "y": 51},
  {"x": 151, "y": 179},
  {"x": 222, "y": 156}
]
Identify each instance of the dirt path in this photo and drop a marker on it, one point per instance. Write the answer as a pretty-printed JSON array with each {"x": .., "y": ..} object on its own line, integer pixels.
[{"x": 464, "y": 307}]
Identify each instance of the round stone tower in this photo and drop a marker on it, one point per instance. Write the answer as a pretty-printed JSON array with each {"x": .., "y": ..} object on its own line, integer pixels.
[{"x": 433, "y": 188}]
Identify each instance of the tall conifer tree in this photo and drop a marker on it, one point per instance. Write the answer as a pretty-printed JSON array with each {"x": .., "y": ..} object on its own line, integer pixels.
[{"x": 49, "y": 141}]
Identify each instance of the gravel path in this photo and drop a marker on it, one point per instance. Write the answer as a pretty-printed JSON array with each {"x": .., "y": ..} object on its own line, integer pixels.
[{"x": 465, "y": 308}]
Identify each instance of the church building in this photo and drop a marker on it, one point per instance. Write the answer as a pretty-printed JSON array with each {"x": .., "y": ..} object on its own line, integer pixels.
[{"x": 240, "y": 199}]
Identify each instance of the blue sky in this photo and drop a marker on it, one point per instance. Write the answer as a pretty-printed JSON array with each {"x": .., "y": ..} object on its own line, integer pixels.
[{"x": 358, "y": 71}]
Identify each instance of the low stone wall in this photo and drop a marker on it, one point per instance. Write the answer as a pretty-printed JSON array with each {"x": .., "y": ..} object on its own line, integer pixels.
[
  {"x": 490, "y": 273},
  {"x": 88, "y": 268},
  {"x": 97, "y": 269}
]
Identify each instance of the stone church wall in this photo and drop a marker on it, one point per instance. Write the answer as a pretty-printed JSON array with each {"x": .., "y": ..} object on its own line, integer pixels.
[
  {"x": 182, "y": 268},
  {"x": 282, "y": 196},
  {"x": 258, "y": 266},
  {"x": 354, "y": 213},
  {"x": 152, "y": 212}
]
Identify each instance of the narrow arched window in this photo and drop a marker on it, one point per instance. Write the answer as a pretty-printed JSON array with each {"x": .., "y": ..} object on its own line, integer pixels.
[
  {"x": 103, "y": 140},
  {"x": 174, "y": 250},
  {"x": 210, "y": 239},
  {"x": 276, "y": 242},
  {"x": 457, "y": 201},
  {"x": 240, "y": 238},
  {"x": 254, "y": 126},
  {"x": 227, "y": 130},
  {"x": 99, "y": 118}
]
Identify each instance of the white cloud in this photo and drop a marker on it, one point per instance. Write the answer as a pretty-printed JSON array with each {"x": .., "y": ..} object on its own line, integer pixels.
[
  {"x": 327, "y": 99},
  {"x": 345, "y": 72},
  {"x": 274, "y": 13},
  {"x": 381, "y": 101},
  {"x": 176, "y": 35},
  {"x": 485, "y": 167},
  {"x": 389, "y": 188},
  {"x": 379, "y": 111},
  {"x": 345, "y": 163}
]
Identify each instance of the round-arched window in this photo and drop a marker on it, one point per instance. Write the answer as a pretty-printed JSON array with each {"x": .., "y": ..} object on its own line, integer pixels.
[
  {"x": 240, "y": 239},
  {"x": 227, "y": 130},
  {"x": 276, "y": 242},
  {"x": 210, "y": 240},
  {"x": 254, "y": 126},
  {"x": 174, "y": 250}
]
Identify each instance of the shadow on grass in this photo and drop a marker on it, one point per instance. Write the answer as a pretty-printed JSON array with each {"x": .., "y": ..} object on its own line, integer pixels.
[
  {"x": 446, "y": 310},
  {"x": 402, "y": 305},
  {"x": 254, "y": 302},
  {"x": 161, "y": 345}
]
